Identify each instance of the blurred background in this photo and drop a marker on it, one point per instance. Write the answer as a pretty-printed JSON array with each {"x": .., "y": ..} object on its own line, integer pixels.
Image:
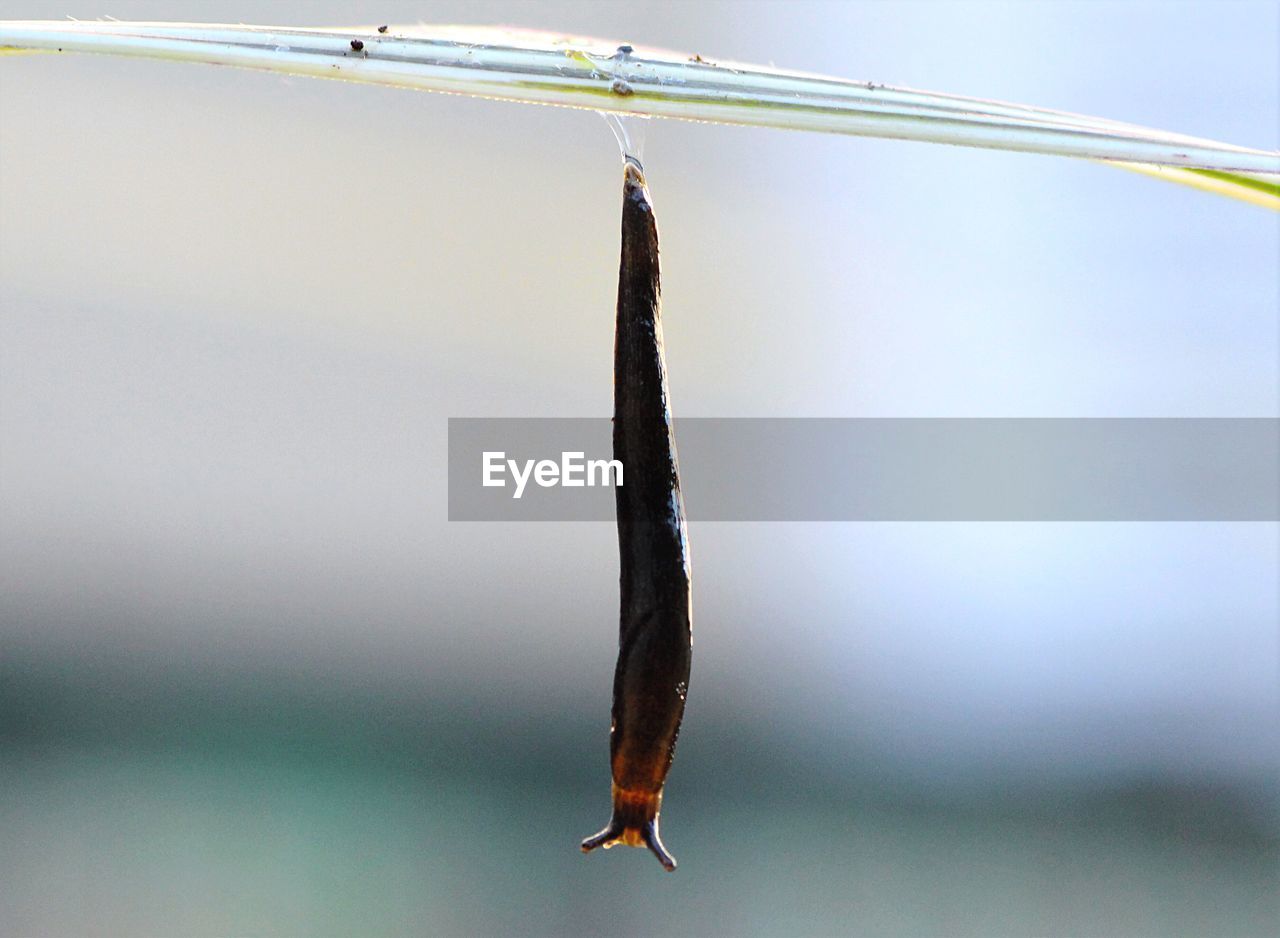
[{"x": 253, "y": 682}]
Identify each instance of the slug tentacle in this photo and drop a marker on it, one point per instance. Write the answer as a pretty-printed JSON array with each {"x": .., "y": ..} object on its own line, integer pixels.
[
  {"x": 655, "y": 630},
  {"x": 635, "y": 824}
]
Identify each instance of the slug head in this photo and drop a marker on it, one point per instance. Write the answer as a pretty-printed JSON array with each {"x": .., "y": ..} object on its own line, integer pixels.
[{"x": 634, "y": 824}]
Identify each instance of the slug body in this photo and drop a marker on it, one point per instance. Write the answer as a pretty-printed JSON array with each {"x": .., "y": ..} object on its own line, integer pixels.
[{"x": 655, "y": 641}]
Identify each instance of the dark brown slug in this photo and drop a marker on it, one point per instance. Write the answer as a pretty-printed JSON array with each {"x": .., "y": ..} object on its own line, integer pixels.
[{"x": 656, "y": 634}]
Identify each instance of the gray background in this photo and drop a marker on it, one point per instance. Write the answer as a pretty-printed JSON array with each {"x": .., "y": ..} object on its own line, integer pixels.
[{"x": 254, "y": 682}]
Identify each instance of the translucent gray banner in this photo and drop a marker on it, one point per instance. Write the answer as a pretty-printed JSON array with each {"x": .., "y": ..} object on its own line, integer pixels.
[{"x": 1210, "y": 469}]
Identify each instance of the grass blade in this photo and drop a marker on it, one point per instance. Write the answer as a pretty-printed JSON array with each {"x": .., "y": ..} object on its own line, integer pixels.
[{"x": 540, "y": 68}]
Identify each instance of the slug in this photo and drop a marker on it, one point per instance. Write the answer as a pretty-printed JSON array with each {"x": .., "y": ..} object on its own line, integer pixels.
[{"x": 655, "y": 644}]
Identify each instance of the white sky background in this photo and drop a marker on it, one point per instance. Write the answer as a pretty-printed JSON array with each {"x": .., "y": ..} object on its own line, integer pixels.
[{"x": 238, "y": 309}]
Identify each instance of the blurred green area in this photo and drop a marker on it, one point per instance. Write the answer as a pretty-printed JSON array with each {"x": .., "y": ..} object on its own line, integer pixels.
[{"x": 150, "y": 798}]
